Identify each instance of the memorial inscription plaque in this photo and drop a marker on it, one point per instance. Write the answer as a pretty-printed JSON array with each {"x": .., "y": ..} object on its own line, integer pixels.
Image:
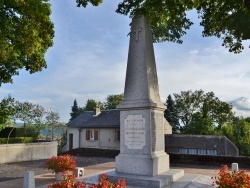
[{"x": 134, "y": 129}]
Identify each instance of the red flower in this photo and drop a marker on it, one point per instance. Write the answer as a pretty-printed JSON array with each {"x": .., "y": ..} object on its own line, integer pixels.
[
  {"x": 61, "y": 163},
  {"x": 105, "y": 183},
  {"x": 227, "y": 179}
]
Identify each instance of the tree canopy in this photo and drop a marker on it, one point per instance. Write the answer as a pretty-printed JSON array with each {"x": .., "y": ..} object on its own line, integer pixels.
[
  {"x": 227, "y": 20},
  {"x": 34, "y": 116},
  {"x": 201, "y": 113},
  {"x": 26, "y": 32},
  {"x": 110, "y": 103},
  {"x": 113, "y": 100},
  {"x": 238, "y": 131},
  {"x": 7, "y": 110}
]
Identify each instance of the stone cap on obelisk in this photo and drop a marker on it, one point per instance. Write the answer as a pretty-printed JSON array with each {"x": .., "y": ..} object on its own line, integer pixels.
[{"x": 141, "y": 86}]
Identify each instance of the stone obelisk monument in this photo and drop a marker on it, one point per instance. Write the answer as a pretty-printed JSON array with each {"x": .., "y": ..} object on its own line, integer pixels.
[{"x": 142, "y": 160}]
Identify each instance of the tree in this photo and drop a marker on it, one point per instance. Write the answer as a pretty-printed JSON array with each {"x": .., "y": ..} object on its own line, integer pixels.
[
  {"x": 52, "y": 121},
  {"x": 113, "y": 100},
  {"x": 29, "y": 113},
  {"x": 26, "y": 32},
  {"x": 247, "y": 119},
  {"x": 32, "y": 116},
  {"x": 201, "y": 112},
  {"x": 171, "y": 115},
  {"x": 7, "y": 110},
  {"x": 75, "y": 110},
  {"x": 91, "y": 105},
  {"x": 238, "y": 131},
  {"x": 227, "y": 20}
]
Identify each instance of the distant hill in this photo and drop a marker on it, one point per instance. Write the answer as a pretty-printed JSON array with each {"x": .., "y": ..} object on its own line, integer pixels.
[{"x": 241, "y": 106}]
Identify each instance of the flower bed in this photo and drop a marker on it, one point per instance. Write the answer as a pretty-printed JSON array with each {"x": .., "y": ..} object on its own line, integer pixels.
[
  {"x": 104, "y": 182},
  {"x": 228, "y": 179}
]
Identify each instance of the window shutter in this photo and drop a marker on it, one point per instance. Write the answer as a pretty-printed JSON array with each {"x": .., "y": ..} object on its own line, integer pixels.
[
  {"x": 87, "y": 134},
  {"x": 96, "y": 135}
]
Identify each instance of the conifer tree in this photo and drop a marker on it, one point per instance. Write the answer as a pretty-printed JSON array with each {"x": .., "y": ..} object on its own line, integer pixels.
[
  {"x": 75, "y": 110},
  {"x": 171, "y": 115}
]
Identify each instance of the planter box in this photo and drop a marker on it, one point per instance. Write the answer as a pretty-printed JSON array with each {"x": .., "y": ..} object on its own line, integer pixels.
[{"x": 27, "y": 152}]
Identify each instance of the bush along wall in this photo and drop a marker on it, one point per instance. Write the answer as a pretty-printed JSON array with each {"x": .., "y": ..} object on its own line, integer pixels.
[
  {"x": 16, "y": 140},
  {"x": 6, "y": 132}
]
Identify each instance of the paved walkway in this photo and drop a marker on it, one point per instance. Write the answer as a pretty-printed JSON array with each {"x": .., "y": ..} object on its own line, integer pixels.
[{"x": 193, "y": 178}]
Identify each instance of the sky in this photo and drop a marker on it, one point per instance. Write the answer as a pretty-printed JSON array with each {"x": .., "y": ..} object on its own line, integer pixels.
[{"x": 89, "y": 57}]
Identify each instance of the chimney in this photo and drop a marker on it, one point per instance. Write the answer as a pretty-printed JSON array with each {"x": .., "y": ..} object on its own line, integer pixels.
[{"x": 97, "y": 110}]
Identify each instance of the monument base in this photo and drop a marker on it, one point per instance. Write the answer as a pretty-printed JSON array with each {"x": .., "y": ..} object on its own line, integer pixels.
[
  {"x": 159, "y": 181},
  {"x": 146, "y": 165}
]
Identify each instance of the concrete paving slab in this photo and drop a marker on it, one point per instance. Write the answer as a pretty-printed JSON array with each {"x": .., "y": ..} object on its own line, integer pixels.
[{"x": 189, "y": 180}]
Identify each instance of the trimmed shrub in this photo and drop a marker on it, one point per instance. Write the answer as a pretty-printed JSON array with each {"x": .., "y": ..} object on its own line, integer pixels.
[{"x": 16, "y": 140}]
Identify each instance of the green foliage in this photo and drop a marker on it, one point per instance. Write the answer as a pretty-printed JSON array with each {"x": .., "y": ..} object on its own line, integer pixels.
[
  {"x": 91, "y": 104},
  {"x": 201, "y": 113},
  {"x": 52, "y": 121},
  {"x": 75, "y": 110},
  {"x": 8, "y": 132},
  {"x": 238, "y": 131},
  {"x": 227, "y": 20},
  {"x": 113, "y": 100},
  {"x": 84, "y": 3},
  {"x": 29, "y": 113},
  {"x": 200, "y": 125},
  {"x": 16, "y": 140},
  {"x": 170, "y": 115},
  {"x": 7, "y": 110},
  {"x": 30, "y": 131},
  {"x": 34, "y": 116},
  {"x": 26, "y": 32}
]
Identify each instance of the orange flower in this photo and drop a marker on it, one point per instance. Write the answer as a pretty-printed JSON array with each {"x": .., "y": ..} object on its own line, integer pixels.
[
  {"x": 227, "y": 179},
  {"x": 61, "y": 163},
  {"x": 105, "y": 183}
]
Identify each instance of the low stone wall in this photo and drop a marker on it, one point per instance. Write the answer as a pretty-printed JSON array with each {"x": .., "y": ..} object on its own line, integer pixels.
[
  {"x": 214, "y": 160},
  {"x": 27, "y": 152}
]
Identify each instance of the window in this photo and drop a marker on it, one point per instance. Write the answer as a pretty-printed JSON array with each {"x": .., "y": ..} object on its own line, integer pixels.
[
  {"x": 183, "y": 151},
  {"x": 192, "y": 151},
  {"x": 212, "y": 152},
  {"x": 117, "y": 134},
  {"x": 198, "y": 151},
  {"x": 201, "y": 151},
  {"x": 91, "y": 135}
]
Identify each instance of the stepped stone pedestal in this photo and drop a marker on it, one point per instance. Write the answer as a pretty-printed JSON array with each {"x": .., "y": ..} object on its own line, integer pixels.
[{"x": 142, "y": 160}]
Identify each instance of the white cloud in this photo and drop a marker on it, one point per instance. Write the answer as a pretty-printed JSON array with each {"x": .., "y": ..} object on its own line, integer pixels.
[
  {"x": 89, "y": 56},
  {"x": 194, "y": 52}
]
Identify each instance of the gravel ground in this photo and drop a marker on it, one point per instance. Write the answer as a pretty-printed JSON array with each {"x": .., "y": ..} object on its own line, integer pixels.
[{"x": 16, "y": 170}]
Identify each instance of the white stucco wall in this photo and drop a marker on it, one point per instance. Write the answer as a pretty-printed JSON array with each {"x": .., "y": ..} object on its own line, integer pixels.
[
  {"x": 106, "y": 139},
  {"x": 89, "y": 143},
  {"x": 75, "y": 133},
  {"x": 27, "y": 152}
]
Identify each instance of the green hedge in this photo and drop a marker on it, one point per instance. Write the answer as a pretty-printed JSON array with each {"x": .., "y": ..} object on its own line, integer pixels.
[
  {"x": 16, "y": 140},
  {"x": 29, "y": 131}
]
